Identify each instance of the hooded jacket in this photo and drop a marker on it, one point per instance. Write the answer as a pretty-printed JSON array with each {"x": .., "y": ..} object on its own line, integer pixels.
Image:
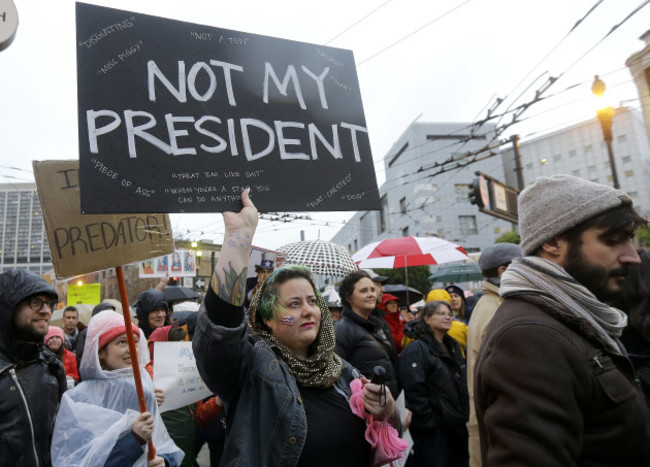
[
  {"x": 93, "y": 426},
  {"x": 32, "y": 380},
  {"x": 149, "y": 301}
]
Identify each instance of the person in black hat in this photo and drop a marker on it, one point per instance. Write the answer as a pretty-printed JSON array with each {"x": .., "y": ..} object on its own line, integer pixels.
[
  {"x": 458, "y": 304},
  {"x": 263, "y": 271}
]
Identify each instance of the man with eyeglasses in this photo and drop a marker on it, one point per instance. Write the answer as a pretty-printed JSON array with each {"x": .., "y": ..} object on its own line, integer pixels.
[{"x": 32, "y": 379}]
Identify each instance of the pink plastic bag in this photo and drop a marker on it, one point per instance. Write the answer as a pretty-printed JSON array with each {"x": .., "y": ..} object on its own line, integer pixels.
[{"x": 383, "y": 438}]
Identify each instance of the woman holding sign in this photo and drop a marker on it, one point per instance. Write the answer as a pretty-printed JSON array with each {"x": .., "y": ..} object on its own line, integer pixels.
[
  {"x": 286, "y": 392},
  {"x": 99, "y": 421}
]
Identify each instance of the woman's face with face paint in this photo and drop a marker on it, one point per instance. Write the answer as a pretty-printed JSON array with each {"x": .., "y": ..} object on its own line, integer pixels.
[{"x": 297, "y": 316}]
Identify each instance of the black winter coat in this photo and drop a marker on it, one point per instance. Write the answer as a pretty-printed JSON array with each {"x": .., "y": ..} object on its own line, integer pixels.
[
  {"x": 435, "y": 385},
  {"x": 32, "y": 381},
  {"x": 366, "y": 344}
]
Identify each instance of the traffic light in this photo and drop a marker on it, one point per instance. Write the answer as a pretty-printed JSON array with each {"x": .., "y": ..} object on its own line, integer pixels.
[
  {"x": 474, "y": 194},
  {"x": 173, "y": 281}
]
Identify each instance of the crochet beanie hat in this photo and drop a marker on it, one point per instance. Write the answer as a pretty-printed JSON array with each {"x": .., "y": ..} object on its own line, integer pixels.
[
  {"x": 111, "y": 334},
  {"x": 438, "y": 294},
  {"x": 53, "y": 331},
  {"x": 555, "y": 204}
]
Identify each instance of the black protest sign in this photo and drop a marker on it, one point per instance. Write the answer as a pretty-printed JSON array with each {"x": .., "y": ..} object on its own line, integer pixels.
[
  {"x": 86, "y": 243},
  {"x": 179, "y": 117}
]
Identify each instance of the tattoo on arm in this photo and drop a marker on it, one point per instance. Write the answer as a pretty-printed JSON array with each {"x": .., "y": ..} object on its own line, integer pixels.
[{"x": 232, "y": 288}]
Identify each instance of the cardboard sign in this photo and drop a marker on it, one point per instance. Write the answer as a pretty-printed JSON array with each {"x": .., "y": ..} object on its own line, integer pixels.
[
  {"x": 175, "y": 372},
  {"x": 86, "y": 243},
  {"x": 181, "y": 263},
  {"x": 180, "y": 117},
  {"x": 87, "y": 293}
]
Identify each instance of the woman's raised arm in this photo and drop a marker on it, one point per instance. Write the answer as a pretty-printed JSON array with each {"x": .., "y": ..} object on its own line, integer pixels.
[{"x": 229, "y": 275}]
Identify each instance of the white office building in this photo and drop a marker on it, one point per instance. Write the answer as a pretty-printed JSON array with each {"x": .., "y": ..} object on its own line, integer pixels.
[
  {"x": 416, "y": 202},
  {"x": 23, "y": 243},
  {"x": 581, "y": 151}
]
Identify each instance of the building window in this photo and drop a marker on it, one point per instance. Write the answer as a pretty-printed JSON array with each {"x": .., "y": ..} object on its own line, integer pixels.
[
  {"x": 543, "y": 161},
  {"x": 588, "y": 149},
  {"x": 576, "y": 172},
  {"x": 529, "y": 166},
  {"x": 402, "y": 205},
  {"x": 438, "y": 218},
  {"x": 461, "y": 190},
  {"x": 591, "y": 168},
  {"x": 383, "y": 215},
  {"x": 573, "y": 153},
  {"x": 557, "y": 157},
  {"x": 629, "y": 173},
  {"x": 405, "y": 232},
  {"x": 626, "y": 159},
  {"x": 622, "y": 138},
  {"x": 467, "y": 225},
  {"x": 356, "y": 245}
]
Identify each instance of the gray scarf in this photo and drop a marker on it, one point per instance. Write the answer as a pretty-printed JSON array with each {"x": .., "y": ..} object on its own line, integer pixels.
[{"x": 548, "y": 285}]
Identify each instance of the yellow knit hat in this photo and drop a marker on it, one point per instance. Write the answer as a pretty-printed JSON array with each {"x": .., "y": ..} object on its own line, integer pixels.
[{"x": 438, "y": 294}]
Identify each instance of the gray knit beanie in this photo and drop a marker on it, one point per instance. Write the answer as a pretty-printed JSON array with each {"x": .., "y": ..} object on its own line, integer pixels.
[{"x": 555, "y": 204}]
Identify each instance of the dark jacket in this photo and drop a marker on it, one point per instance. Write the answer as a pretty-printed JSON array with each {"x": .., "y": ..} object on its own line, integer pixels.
[
  {"x": 435, "y": 385},
  {"x": 148, "y": 301},
  {"x": 267, "y": 424},
  {"x": 32, "y": 380},
  {"x": 366, "y": 344},
  {"x": 548, "y": 393}
]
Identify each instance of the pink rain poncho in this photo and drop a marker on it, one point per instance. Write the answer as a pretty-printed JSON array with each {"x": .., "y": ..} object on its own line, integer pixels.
[{"x": 104, "y": 406}]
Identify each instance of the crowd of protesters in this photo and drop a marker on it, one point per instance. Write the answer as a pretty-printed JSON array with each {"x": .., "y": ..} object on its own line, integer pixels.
[{"x": 548, "y": 367}]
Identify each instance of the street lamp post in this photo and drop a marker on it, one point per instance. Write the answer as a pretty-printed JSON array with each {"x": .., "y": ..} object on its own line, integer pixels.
[{"x": 605, "y": 116}]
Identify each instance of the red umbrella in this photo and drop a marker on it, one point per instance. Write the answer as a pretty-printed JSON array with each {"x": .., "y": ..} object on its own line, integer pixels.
[{"x": 408, "y": 251}]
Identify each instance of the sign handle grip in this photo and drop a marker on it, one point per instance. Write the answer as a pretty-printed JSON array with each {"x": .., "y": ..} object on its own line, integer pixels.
[{"x": 126, "y": 311}]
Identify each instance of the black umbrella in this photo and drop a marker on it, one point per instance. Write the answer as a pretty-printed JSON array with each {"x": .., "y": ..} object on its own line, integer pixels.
[
  {"x": 399, "y": 290},
  {"x": 175, "y": 293}
]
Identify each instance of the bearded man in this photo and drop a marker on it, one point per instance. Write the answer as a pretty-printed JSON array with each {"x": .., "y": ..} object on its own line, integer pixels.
[
  {"x": 553, "y": 384},
  {"x": 32, "y": 379}
]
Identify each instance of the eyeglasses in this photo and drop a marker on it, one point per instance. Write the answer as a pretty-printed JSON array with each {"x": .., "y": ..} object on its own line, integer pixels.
[
  {"x": 444, "y": 313},
  {"x": 36, "y": 304}
]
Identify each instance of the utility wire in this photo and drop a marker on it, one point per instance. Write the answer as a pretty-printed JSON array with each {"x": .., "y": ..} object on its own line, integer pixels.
[
  {"x": 357, "y": 22},
  {"x": 412, "y": 33}
]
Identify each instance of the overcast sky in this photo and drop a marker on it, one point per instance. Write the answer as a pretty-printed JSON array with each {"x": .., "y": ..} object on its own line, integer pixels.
[{"x": 443, "y": 61}]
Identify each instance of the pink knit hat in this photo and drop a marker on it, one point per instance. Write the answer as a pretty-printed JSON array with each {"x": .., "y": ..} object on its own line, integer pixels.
[
  {"x": 112, "y": 333},
  {"x": 54, "y": 331}
]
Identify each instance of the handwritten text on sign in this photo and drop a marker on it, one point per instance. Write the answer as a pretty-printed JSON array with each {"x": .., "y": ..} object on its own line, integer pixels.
[
  {"x": 85, "y": 243},
  {"x": 177, "y": 117},
  {"x": 175, "y": 372}
]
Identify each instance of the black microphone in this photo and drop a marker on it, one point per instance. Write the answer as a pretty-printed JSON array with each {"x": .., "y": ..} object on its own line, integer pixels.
[{"x": 379, "y": 375}]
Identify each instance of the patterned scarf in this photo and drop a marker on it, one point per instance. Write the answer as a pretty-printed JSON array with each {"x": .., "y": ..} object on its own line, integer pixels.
[
  {"x": 548, "y": 285},
  {"x": 323, "y": 367}
]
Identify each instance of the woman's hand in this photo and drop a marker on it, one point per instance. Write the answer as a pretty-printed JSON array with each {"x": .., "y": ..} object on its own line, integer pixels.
[
  {"x": 160, "y": 396},
  {"x": 156, "y": 462},
  {"x": 143, "y": 426},
  {"x": 374, "y": 397},
  {"x": 245, "y": 221}
]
